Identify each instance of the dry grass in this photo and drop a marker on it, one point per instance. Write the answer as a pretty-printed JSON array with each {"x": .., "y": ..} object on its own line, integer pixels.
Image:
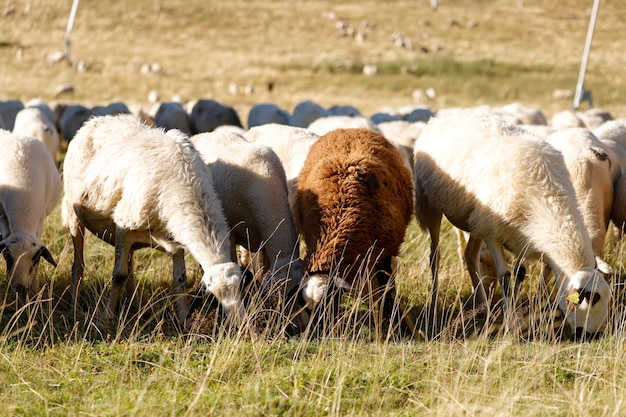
[
  {"x": 479, "y": 52},
  {"x": 58, "y": 361}
]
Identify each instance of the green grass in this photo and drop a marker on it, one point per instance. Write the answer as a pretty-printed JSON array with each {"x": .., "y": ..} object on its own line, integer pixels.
[{"x": 55, "y": 360}]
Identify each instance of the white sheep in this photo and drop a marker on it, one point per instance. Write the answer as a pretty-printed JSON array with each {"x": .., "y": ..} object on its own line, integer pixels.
[
  {"x": 135, "y": 186},
  {"x": 30, "y": 187},
  {"x": 525, "y": 115},
  {"x": 511, "y": 190},
  {"x": 290, "y": 143},
  {"x": 403, "y": 135},
  {"x": 594, "y": 171},
  {"x": 35, "y": 122},
  {"x": 250, "y": 182},
  {"x": 613, "y": 135},
  {"x": 324, "y": 125}
]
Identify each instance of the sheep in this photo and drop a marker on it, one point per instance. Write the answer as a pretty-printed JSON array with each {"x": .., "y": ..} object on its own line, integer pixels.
[
  {"x": 594, "y": 171},
  {"x": 45, "y": 108},
  {"x": 618, "y": 209},
  {"x": 403, "y": 135},
  {"x": 324, "y": 125},
  {"x": 290, "y": 143},
  {"x": 565, "y": 119},
  {"x": 594, "y": 118},
  {"x": 206, "y": 115},
  {"x": 117, "y": 107},
  {"x": 162, "y": 199},
  {"x": 509, "y": 189},
  {"x": 306, "y": 113},
  {"x": 73, "y": 117},
  {"x": 613, "y": 135},
  {"x": 35, "y": 122},
  {"x": 171, "y": 115},
  {"x": 8, "y": 111},
  {"x": 352, "y": 207},
  {"x": 264, "y": 113},
  {"x": 250, "y": 182},
  {"x": 524, "y": 114},
  {"x": 30, "y": 188},
  {"x": 349, "y": 111}
]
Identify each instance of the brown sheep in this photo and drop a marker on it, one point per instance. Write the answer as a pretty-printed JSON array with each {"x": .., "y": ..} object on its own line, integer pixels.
[{"x": 352, "y": 206}]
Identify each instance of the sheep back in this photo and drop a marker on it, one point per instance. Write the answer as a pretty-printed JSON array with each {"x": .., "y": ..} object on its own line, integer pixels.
[{"x": 353, "y": 199}]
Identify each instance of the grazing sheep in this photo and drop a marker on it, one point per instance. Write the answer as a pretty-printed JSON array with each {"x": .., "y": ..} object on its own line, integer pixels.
[
  {"x": 353, "y": 205},
  {"x": 382, "y": 117},
  {"x": 618, "y": 209},
  {"x": 206, "y": 115},
  {"x": 306, "y": 113},
  {"x": 171, "y": 115},
  {"x": 34, "y": 122},
  {"x": 111, "y": 109},
  {"x": 290, "y": 143},
  {"x": 264, "y": 113},
  {"x": 594, "y": 171},
  {"x": 565, "y": 119},
  {"x": 509, "y": 189},
  {"x": 613, "y": 135},
  {"x": 403, "y": 135},
  {"x": 594, "y": 118},
  {"x": 324, "y": 125},
  {"x": 250, "y": 182},
  {"x": 418, "y": 115},
  {"x": 524, "y": 115},
  {"x": 30, "y": 187},
  {"x": 45, "y": 108},
  {"x": 8, "y": 111},
  {"x": 74, "y": 116},
  {"x": 349, "y": 111},
  {"x": 135, "y": 186}
]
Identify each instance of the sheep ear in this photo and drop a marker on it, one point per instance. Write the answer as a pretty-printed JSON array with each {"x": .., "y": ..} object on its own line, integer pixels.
[{"x": 43, "y": 252}]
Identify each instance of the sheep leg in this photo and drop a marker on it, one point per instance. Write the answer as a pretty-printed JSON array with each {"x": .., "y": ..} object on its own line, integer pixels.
[
  {"x": 434, "y": 229},
  {"x": 180, "y": 284},
  {"x": 123, "y": 248},
  {"x": 472, "y": 259},
  {"x": 78, "y": 265},
  {"x": 504, "y": 278}
]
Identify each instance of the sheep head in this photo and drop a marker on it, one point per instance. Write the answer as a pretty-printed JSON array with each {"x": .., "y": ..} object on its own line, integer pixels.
[
  {"x": 316, "y": 286},
  {"x": 223, "y": 280},
  {"x": 22, "y": 253},
  {"x": 585, "y": 302}
]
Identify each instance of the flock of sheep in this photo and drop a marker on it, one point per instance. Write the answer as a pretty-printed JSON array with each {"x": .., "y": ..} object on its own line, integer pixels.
[{"x": 330, "y": 184}]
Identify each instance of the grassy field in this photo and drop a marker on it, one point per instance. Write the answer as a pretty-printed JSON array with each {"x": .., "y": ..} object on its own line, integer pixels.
[{"x": 57, "y": 361}]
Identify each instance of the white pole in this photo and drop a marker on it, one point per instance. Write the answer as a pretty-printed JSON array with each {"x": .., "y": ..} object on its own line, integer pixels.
[
  {"x": 580, "y": 93},
  {"x": 68, "y": 31}
]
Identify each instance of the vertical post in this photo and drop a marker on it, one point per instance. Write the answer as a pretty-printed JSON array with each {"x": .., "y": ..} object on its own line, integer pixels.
[
  {"x": 68, "y": 30},
  {"x": 580, "y": 94}
]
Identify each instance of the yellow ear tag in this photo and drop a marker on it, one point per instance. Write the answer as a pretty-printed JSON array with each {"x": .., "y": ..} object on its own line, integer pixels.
[{"x": 574, "y": 297}]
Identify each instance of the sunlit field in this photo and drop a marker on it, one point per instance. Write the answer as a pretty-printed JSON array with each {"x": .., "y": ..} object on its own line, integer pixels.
[{"x": 60, "y": 359}]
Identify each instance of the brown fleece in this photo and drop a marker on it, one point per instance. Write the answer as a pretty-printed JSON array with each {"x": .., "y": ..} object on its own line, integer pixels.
[{"x": 354, "y": 195}]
